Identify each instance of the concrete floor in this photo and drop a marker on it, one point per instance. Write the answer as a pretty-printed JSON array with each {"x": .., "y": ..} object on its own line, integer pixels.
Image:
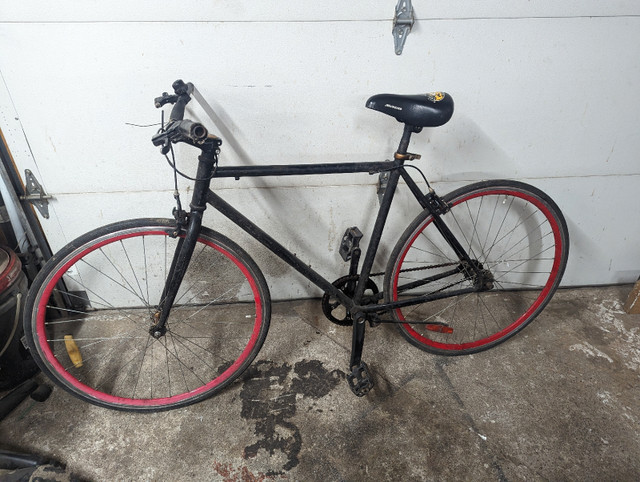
[{"x": 559, "y": 401}]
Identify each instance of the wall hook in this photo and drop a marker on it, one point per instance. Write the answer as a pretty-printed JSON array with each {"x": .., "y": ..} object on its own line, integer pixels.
[{"x": 402, "y": 24}]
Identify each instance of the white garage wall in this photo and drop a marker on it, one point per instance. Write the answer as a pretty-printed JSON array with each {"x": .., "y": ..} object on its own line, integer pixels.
[{"x": 545, "y": 92}]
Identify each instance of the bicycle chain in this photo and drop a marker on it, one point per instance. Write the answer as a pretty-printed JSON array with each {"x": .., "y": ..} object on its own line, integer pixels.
[{"x": 435, "y": 266}]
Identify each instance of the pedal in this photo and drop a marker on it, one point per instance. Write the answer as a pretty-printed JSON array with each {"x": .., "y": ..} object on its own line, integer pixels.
[
  {"x": 350, "y": 242},
  {"x": 360, "y": 380}
]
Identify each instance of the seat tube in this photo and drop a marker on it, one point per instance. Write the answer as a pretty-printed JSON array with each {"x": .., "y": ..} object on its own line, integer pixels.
[
  {"x": 376, "y": 235},
  {"x": 385, "y": 206},
  {"x": 357, "y": 340}
]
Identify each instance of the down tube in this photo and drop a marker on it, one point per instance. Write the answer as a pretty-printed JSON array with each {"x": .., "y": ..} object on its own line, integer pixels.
[{"x": 272, "y": 245}]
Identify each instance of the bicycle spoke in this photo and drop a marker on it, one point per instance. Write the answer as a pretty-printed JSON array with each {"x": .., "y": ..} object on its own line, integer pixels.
[
  {"x": 97, "y": 341},
  {"x": 498, "y": 325},
  {"x": 194, "y": 261},
  {"x": 510, "y": 233},
  {"x": 525, "y": 237},
  {"x": 493, "y": 215},
  {"x": 127, "y": 314},
  {"x": 442, "y": 253},
  {"x": 146, "y": 269},
  {"x": 495, "y": 240},
  {"x": 133, "y": 271},
  {"x": 180, "y": 367},
  {"x": 181, "y": 340},
  {"x": 166, "y": 359},
  {"x": 212, "y": 302},
  {"x": 111, "y": 279},
  {"x": 514, "y": 268},
  {"x": 474, "y": 222},
  {"x": 144, "y": 354},
  {"x": 462, "y": 232},
  {"x": 205, "y": 306}
]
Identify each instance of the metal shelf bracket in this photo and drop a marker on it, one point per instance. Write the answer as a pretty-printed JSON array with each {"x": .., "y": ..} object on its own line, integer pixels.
[
  {"x": 402, "y": 24},
  {"x": 35, "y": 194}
]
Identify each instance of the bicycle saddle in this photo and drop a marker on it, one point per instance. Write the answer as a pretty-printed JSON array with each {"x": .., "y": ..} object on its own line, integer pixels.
[{"x": 423, "y": 110}]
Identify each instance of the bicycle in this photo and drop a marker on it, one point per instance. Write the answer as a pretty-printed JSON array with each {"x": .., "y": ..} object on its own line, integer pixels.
[{"x": 154, "y": 314}]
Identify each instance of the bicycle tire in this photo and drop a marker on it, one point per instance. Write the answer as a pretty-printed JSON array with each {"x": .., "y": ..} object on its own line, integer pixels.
[
  {"x": 98, "y": 345},
  {"x": 518, "y": 237}
]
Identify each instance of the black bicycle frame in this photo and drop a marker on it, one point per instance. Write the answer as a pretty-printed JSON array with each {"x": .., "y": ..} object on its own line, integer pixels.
[
  {"x": 202, "y": 194},
  {"x": 396, "y": 170}
]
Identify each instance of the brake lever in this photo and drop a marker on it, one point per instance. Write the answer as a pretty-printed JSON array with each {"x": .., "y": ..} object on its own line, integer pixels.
[
  {"x": 163, "y": 140},
  {"x": 166, "y": 147},
  {"x": 171, "y": 133}
]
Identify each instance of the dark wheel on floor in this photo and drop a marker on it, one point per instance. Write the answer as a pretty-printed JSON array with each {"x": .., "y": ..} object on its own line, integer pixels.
[
  {"x": 89, "y": 311},
  {"x": 517, "y": 240}
]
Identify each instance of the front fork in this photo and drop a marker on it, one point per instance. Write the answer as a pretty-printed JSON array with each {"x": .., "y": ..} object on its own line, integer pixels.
[
  {"x": 179, "y": 265},
  {"x": 188, "y": 239}
]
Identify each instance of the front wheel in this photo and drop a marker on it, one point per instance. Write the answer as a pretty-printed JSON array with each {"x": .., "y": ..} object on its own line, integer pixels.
[
  {"x": 89, "y": 313},
  {"x": 518, "y": 243}
]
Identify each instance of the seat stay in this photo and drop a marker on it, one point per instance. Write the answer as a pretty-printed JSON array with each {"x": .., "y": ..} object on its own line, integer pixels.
[{"x": 439, "y": 223}]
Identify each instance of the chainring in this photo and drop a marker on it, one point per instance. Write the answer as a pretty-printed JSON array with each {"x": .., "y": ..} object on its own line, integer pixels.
[{"x": 330, "y": 303}]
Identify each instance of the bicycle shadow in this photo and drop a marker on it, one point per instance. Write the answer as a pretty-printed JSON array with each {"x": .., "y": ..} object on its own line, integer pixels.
[{"x": 265, "y": 198}]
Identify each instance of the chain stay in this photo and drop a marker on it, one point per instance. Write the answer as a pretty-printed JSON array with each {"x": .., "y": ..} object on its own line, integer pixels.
[{"x": 435, "y": 266}]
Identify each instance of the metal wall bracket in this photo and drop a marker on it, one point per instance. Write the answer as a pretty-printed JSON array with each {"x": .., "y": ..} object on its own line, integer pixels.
[
  {"x": 402, "y": 24},
  {"x": 35, "y": 194},
  {"x": 383, "y": 181}
]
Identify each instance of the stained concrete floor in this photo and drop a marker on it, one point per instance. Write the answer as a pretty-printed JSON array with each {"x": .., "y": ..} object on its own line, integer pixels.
[{"x": 560, "y": 401}]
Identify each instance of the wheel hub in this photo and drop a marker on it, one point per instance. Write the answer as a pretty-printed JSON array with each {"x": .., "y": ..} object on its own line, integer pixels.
[
  {"x": 157, "y": 331},
  {"x": 481, "y": 278}
]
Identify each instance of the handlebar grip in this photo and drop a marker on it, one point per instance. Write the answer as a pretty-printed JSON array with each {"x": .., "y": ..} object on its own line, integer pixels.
[
  {"x": 179, "y": 131},
  {"x": 192, "y": 130}
]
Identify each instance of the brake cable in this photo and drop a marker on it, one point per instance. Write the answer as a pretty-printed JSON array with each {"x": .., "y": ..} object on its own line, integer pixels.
[{"x": 178, "y": 213}]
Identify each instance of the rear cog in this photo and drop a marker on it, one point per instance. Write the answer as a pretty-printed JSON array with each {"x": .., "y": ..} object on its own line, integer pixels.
[{"x": 333, "y": 308}]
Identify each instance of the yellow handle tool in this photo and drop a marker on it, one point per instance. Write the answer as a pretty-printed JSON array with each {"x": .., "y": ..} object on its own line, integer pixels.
[{"x": 73, "y": 351}]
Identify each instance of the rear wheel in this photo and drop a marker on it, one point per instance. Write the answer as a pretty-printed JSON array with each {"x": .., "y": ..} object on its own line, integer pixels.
[
  {"x": 90, "y": 309},
  {"x": 518, "y": 243}
]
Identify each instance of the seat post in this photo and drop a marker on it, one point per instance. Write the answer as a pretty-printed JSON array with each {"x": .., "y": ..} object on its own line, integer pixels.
[{"x": 406, "y": 137}]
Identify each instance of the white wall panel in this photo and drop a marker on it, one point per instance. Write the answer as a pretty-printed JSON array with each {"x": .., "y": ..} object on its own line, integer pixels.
[
  {"x": 306, "y": 11},
  {"x": 545, "y": 92}
]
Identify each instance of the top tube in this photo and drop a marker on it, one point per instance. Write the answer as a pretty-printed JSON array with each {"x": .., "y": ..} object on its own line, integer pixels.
[{"x": 306, "y": 169}]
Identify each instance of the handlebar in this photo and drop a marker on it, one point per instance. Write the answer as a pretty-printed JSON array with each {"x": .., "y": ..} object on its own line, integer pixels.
[{"x": 178, "y": 129}]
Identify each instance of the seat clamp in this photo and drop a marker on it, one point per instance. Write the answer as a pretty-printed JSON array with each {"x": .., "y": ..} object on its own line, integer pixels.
[{"x": 406, "y": 157}]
